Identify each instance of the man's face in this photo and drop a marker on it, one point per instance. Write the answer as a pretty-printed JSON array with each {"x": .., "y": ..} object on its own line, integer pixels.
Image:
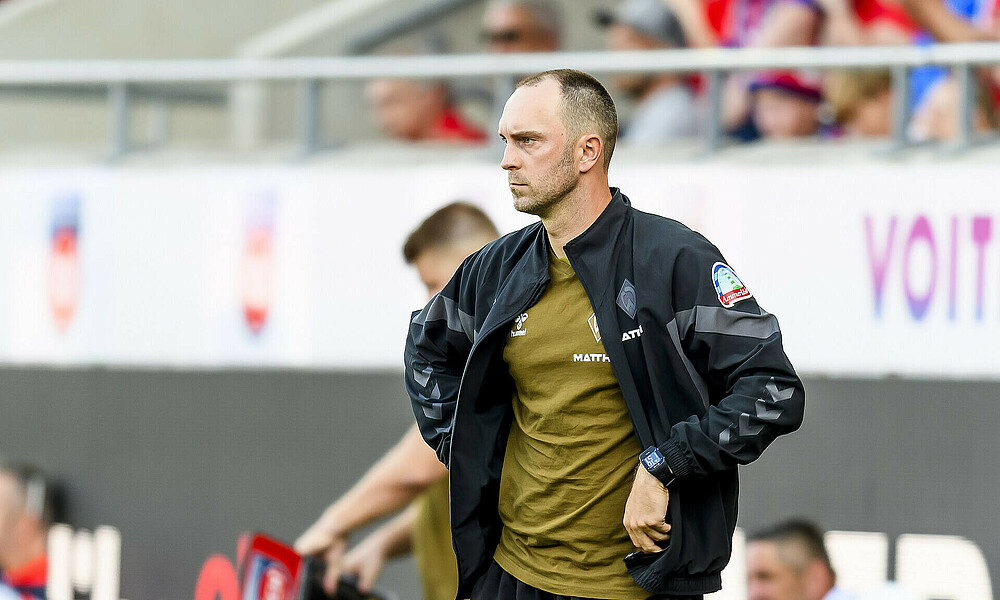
[
  {"x": 771, "y": 578},
  {"x": 539, "y": 157},
  {"x": 780, "y": 114},
  {"x": 512, "y": 28},
  {"x": 437, "y": 264},
  {"x": 623, "y": 37},
  {"x": 402, "y": 108},
  {"x": 11, "y": 510}
]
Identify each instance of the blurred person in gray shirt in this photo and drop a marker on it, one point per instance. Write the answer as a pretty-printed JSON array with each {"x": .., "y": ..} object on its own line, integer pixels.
[{"x": 665, "y": 108}]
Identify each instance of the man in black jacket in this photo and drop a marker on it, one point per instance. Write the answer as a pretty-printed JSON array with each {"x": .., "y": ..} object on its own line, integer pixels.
[{"x": 602, "y": 362}]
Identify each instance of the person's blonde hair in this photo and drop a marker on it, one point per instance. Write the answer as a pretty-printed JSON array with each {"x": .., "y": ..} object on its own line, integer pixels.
[{"x": 844, "y": 90}]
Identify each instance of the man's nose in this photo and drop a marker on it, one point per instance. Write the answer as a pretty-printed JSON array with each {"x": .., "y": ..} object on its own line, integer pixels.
[{"x": 509, "y": 160}]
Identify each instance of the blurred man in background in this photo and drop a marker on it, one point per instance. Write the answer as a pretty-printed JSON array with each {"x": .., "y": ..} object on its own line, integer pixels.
[
  {"x": 665, "y": 107},
  {"x": 419, "y": 111},
  {"x": 409, "y": 473},
  {"x": 28, "y": 506},
  {"x": 789, "y": 561},
  {"x": 522, "y": 26}
]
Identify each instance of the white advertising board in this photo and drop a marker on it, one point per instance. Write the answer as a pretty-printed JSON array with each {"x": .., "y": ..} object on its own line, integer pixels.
[{"x": 870, "y": 270}]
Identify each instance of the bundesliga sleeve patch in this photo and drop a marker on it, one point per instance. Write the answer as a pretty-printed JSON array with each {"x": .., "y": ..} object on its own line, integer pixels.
[{"x": 728, "y": 286}]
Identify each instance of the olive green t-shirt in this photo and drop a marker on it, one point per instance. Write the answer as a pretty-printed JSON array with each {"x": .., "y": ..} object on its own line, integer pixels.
[
  {"x": 432, "y": 549},
  {"x": 571, "y": 454}
]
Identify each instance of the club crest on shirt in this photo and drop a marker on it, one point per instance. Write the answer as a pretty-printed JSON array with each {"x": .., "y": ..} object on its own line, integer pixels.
[
  {"x": 728, "y": 286},
  {"x": 519, "y": 328},
  {"x": 593, "y": 327},
  {"x": 626, "y": 298}
]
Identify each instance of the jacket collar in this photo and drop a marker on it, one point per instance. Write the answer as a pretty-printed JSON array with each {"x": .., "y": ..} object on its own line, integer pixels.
[
  {"x": 605, "y": 229},
  {"x": 590, "y": 253},
  {"x": 595, "y": 250}
]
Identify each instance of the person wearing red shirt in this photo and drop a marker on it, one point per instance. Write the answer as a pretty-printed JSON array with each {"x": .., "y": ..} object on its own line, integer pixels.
[
  {"x": 419, "y": 111},
  {"x": 27, "y": 508}
]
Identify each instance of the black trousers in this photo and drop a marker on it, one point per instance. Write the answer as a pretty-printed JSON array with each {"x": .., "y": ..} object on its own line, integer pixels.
[{"x": 498, "y": 584}]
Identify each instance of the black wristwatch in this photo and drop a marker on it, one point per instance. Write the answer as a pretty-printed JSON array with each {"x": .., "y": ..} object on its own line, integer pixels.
[{"x": 654, "y": 462}]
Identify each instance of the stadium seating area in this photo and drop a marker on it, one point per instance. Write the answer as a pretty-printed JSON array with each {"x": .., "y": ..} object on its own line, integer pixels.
[{"x": 802, "y": 104}]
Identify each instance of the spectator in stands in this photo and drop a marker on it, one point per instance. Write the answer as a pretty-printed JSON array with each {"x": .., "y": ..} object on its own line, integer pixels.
[
  {"x": 936, "y": 119},
  {"x": 709, "y": 23},
  {"x": 762, "y": 23},
  {"x": 28, "y": 506},
  {"x": 861, "y": 101},
  {"x": 522, "y": 26},
  {"x": 788, "y": 561},
  {"x": 410, "y": 472},
  {"x": 935, "y": 97},
  {"x": 665, "y": 106},
  {"x": 785, "y": 104},
  {"x": 419, "y": 111}
]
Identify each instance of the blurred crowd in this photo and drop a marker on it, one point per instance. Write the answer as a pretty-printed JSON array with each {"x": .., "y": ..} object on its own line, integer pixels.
[{"x": 755, "y": 104}]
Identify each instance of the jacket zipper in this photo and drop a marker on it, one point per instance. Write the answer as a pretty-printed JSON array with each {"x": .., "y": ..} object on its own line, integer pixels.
[{"x": 485, "y": 334}]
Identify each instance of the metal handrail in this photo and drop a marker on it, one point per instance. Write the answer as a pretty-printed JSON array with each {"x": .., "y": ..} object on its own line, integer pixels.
[
  {"x": 51, "y": 72},
  {"x": 121, "y": 76}
]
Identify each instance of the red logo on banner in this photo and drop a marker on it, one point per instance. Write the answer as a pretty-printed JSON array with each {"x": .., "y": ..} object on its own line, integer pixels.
[
  {"x": 257, "y": 271},
  {"x": 275, "y": 584},
  {"x": 64, "y": 262}
]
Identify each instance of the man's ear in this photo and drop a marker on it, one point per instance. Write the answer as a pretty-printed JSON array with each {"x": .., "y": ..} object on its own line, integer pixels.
[
  {"x": 817, "y": 579},
  {"x": 592, "y": 151}
]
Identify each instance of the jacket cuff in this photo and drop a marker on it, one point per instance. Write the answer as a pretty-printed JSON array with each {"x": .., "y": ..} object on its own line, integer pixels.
[{"x": 679, "y": 464}]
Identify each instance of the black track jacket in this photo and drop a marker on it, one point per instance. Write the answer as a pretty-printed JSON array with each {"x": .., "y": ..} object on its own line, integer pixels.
[{"x": 709, "y": 385}]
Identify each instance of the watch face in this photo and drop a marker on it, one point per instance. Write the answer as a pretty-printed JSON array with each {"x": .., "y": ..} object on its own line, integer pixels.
[{"x": 652, "y": 459}]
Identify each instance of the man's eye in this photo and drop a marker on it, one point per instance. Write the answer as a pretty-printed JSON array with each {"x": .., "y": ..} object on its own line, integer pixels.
[{"x": 527, "y": 140}]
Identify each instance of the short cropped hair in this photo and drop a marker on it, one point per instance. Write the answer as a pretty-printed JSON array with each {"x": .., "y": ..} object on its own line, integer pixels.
[
  {"x": 43, "y": 498},
  {"x": 456, "y": 223},
  {"x": 806, "y": 535},
  {"x": 586, "y": 106}
]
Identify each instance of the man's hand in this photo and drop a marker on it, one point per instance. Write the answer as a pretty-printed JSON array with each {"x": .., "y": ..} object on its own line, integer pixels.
[
  {"x": 645, "y": 512},
  {"x": 365, "y": 561},
  {"x": 323, "y": 539}
]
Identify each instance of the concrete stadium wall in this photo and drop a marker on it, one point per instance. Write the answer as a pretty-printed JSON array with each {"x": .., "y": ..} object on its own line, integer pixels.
[{"x": 182, "y": 461}]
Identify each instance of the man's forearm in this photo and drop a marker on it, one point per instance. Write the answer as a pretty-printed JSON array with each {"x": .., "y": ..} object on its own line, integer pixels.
[
  {"x": 396, "y": 536},
  {"x": 394, "y": 481},
  {"x": 943, "y": 24}
]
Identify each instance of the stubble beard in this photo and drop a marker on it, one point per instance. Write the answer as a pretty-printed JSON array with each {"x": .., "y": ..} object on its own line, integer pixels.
[{"x": 540, "y": 198}]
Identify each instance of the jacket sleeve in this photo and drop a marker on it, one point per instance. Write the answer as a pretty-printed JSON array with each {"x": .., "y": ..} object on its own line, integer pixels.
[
  {"x": 437, "y": 346},
  {"x": 735, "y": 355}
]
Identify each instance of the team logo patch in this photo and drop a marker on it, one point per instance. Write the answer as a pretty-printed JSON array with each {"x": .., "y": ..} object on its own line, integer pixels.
[
  {"x": 729, "y": 287},
  {"x": 626, "y": 298},
  {"x": 593, "y": 327}
]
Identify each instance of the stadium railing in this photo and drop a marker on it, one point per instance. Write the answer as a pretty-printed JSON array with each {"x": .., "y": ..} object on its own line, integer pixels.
[{"x": 122, "y": 79}]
